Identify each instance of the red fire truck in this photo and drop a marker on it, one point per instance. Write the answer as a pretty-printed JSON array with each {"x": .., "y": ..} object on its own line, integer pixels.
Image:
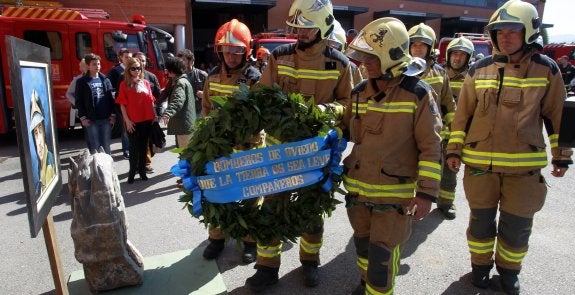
[
  {"x": 481, "y": 43},
  {"x": 71, "y": 33},
  {"x": 556, "y": 51},
  {"x": 271, "y": 40}
]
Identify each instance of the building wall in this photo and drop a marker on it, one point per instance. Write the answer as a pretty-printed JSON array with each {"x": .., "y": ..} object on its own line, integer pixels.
[
  {"x": 155, "y": 12},
  {"x": 281, "y": 10}
]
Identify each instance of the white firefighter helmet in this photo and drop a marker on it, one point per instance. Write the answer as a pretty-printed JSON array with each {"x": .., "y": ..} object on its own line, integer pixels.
[
  {"x": 516, "y": 13},
  {"x": 462, "y": 44},
  {"x": 309, "y": 14},
  {"x": 423, "y": 33},
  {"x": 387, "y": 39},
  {"x": 337, "y": 37},
  {"x": 36, "y": 114}
]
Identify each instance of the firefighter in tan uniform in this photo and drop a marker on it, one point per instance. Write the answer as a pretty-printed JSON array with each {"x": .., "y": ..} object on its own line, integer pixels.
[
  {"x": 422, "y": 44},
  {"x": 394, "y": 168},
  {"x": 232, "y": 45},
  {"x": 505, "y": 101},
  {"x": 458, "y": 55},
  {"x": 318, "y": 72},
  {"x": 338, "y": 41}
]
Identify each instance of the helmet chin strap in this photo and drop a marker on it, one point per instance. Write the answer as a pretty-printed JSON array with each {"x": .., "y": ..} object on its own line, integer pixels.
[{"x": 393, "y": 72}]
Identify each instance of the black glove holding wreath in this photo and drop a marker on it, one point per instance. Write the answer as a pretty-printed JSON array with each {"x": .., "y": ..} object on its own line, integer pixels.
[{"x": 286, "y": 118}]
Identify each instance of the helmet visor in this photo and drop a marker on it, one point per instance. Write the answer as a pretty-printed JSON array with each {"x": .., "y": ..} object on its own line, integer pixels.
[
  {"x": 231, "y": 49},
  {"x": 36, "y": 119},
  {"x": 516, "y": 27},
  {"x": 359, "y": 55},
  {"x": 460, "y": 48}
]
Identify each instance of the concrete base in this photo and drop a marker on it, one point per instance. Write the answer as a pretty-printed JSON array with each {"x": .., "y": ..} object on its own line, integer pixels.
[{"x": 182, "y": 272}]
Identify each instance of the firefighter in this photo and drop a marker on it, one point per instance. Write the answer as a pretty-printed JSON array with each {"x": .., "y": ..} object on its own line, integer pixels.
[
  {"x": 312, "y": 68},
  {"x": 421, "y": 44},
  {"x": 43, "y": 156},
  {"x": 458, "y": 57},
  {"x": 232, "y": 46},
  {"x": 394, "y": 168},
  {"x": 505, "y": 101},
  {"x": 262, "y": 57},
  {"x": 337, "y": 40}
]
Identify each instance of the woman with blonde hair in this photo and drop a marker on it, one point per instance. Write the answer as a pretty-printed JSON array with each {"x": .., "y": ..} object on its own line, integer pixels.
[{"x": 137, "y": 105}]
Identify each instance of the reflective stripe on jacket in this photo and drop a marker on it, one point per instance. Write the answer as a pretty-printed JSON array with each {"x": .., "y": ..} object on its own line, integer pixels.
[
  {"x": 397, "y": 149},
  {"x": 319, "y": 71},
  {"x": 501, "y": 111},
  {"x": 222, "y": 82}
]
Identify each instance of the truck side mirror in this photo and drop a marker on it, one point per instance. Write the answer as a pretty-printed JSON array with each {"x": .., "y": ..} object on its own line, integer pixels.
[{"x": 119, "y": 36}]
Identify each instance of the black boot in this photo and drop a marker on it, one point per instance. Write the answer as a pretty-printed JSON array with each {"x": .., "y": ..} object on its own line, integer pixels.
[
  {"x": 214, "y": 249},
  {"x": 480, "y": 275},
  {"x": 448, "y": 211},
  {"x": 250, "y": 252},
  {"x": 142, "y": 172},
  {"x": 131, "y": 176},
  {"x": 509, "y": 280},
  {"x": 360, "y": 289},
  {"x": 263, "y": 278},
  {"x": 310, "y": 273}
]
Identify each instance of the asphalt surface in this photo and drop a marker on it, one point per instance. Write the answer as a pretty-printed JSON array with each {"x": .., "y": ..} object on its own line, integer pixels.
[{"x": 434, "y": 261}]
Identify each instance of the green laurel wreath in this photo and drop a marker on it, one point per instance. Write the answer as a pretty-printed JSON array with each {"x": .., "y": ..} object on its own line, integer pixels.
[{"x": 240, "y": 118}]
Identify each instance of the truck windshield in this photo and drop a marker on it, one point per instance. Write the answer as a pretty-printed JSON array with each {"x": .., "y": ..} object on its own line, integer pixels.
[
  {"x": 163, "y": 44},
  {"x": 112, "y": 47},
  {"x": 482, "y": 48}
]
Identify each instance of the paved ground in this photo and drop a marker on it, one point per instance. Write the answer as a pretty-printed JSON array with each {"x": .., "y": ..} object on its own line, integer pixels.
[{"x": 435, "y": 260}]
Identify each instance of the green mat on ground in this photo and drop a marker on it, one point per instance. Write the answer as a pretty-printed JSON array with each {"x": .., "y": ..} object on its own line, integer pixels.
[{"x": 182, "y": 272}]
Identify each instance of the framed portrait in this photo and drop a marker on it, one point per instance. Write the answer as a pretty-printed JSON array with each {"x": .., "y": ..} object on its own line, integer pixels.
[{"x": 36, "y": 130}]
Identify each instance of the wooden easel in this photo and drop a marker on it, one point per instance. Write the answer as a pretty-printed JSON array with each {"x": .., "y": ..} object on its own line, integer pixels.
[{"x": 54, "y": 255}]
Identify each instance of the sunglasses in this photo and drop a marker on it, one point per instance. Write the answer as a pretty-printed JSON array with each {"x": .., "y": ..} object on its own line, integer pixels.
[{"x": 135, "y": 69}]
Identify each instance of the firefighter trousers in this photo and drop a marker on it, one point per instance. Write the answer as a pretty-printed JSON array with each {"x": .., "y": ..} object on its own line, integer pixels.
[
  {"x": 448, "y": 182},
  {"x": 518, "y": 198},
  {"x": 215, "y": 233},
  {"x": 378, "y": 232},
  {"x": 309, "y": 245}
]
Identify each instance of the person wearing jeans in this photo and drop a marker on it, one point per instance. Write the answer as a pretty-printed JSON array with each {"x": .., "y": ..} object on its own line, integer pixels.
[{"x": 95, "y": 104}]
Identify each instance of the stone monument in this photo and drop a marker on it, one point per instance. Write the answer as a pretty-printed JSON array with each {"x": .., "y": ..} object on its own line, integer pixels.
[{"x": 99, "y": 225}]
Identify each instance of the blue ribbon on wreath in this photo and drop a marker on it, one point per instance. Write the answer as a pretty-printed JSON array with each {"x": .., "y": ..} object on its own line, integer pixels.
[
  {"x": 337, "y": 145},
  {"x": 182, "y": 170},
  {"x": 332, "y": 141}
]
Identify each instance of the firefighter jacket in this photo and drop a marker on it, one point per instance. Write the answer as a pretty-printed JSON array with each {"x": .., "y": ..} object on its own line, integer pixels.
[
  {"x": 397, "y": 147},
  {"x": 436, "y": 76},
  {"x": 501, "y": 112},
  {"x": 456, "y": 80},
  {"x": 223, "y": 82},
  {"x": 320, "y": 72}
]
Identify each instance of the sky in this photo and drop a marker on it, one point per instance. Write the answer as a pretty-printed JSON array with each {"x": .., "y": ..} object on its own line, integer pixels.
[{"x": 559, "y": 13}]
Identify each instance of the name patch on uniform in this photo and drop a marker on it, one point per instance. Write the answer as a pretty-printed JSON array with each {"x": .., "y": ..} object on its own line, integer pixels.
[{"x": 330, "y": 65}]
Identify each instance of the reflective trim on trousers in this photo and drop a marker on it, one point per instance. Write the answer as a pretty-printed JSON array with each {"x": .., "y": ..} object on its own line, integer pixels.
[
  {"x": 311, "y": 248},
  {"x": 481, "y": 247},
  {"x": 508, "y": 255},
  {"x": 269, "y": 251}
]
